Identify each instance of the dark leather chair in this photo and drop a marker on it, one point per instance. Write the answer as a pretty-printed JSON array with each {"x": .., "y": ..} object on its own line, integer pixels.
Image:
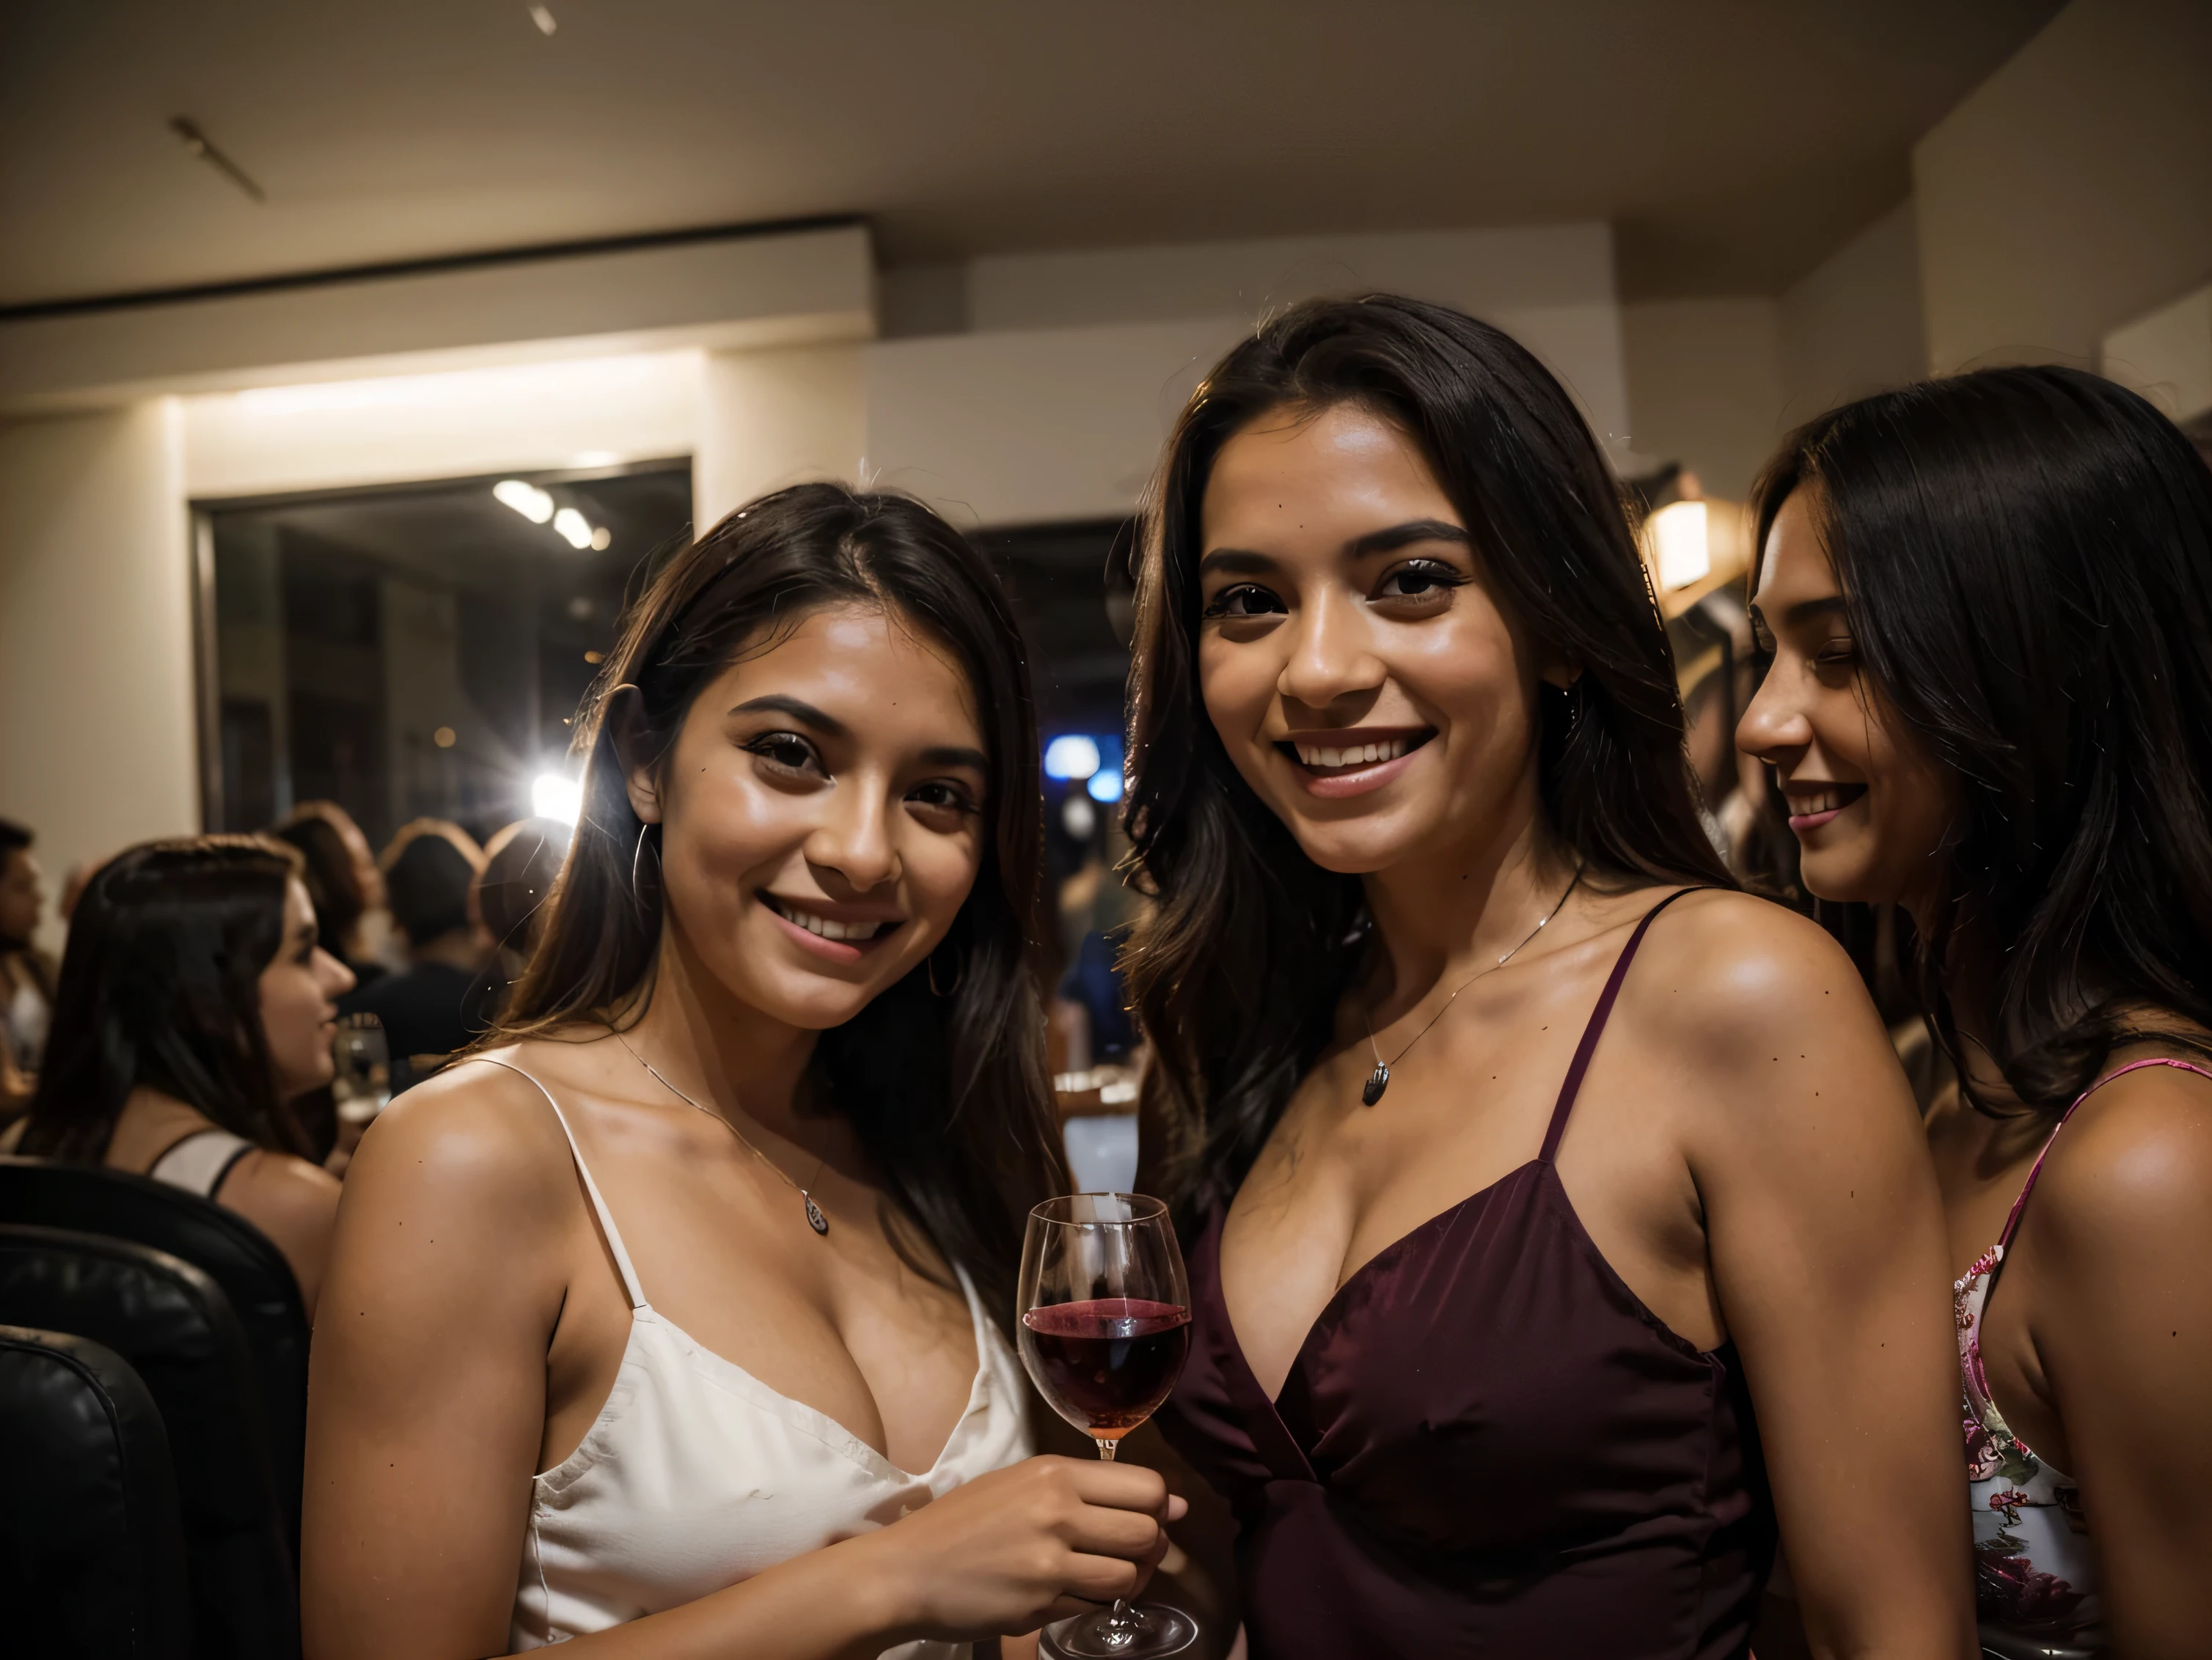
[
  {"x": 92, "y": 1560},
  {"x": 173, "y": 1326},
  {"x": 223, "y": 1245}
]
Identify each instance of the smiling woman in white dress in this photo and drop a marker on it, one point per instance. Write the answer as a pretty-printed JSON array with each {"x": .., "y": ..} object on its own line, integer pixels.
[{"x": 671, "y": 1324}]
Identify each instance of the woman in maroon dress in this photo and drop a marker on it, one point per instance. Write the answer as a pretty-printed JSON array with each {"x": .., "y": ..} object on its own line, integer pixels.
[{"x": 1561, "y": 1225}]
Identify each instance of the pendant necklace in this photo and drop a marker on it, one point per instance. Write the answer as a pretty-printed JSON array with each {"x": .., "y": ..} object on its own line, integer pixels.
[
  {"x": 815, "y": 1219},
  {"x": 1379, "y": 1079}
]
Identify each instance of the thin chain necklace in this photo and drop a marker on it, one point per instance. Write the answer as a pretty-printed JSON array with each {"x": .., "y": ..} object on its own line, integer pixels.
[
  {"x": 815, "y": 1219},
  {"x": 1379, "y": 1079}
]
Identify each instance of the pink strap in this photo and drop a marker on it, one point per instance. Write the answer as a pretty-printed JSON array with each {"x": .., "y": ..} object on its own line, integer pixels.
[{"x": 2027, "y": 1187}]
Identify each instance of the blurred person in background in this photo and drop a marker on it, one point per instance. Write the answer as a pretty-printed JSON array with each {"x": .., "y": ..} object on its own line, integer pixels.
[
  {"x": 345, "y": 885},
  {"x": 508, "y": 902},
  {"x": 27, "y": 977},
  {"x": 426, "y": 1009},
  {"x": 1987, "y": 602},
  {"x": 195, "y": 1004}
]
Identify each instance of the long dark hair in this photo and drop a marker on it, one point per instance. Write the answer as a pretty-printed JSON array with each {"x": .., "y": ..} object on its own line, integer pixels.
[
  {"x": 2026, "y": 560},
  {"x": 947, "y": 1095},
  {"x": 1237, "y": 971},
  {"x": 161, "y": 985}
]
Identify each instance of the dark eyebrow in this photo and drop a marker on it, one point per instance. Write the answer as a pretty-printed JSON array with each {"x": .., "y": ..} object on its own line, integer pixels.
[
  {"x": 1236, "y": 562},
  {"x": 953, "y": 755},
  {"x": 804, "y": 712},
  {"x": 1805, "y": 610},
  {"x": 1402, "y": 535}
]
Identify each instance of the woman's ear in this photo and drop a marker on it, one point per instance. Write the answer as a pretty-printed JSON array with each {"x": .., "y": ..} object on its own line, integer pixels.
[{"x": 626, "y": 730}]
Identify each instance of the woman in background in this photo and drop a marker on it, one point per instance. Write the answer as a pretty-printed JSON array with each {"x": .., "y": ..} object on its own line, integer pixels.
[
  {"x": 195, "y": 1005},
  {"x": 777, "y": 1065},
  {"x": 1988, "y": 602},
  {"x": 1511, "y": 1209}
]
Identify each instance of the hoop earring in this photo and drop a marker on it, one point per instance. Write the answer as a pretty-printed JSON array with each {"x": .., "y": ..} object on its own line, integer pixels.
[
  {"x": 637, "y": 854},
  {"x": 929, "y": 970}
]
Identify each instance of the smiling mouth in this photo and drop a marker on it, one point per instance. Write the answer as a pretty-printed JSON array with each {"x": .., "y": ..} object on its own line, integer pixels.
[
  {"x": 1335, "y": 760},
  {"x": 1809, "y": 808},
  {"x": 829, "y": 927}
]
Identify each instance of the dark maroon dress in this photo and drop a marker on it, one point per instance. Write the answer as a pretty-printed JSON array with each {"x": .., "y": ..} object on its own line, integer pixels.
[{"x": 1486, "y": 1445}]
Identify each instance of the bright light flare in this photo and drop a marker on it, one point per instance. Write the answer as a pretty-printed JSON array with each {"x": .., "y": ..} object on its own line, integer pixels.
[
  {"x": 1104, "y": 785},
  {"x": 555, "y": 796},
  {"x": 1071, "y": 756},
  {"x": 1679, "y": 534},
  {"x": 573, "y": 527},
  {"x": 532, "y": 503}
]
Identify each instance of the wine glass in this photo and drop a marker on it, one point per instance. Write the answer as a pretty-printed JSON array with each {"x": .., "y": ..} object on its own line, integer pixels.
[
  {"x": 362, "y": 1085},
  {"x": 1104, "y": 1330}
]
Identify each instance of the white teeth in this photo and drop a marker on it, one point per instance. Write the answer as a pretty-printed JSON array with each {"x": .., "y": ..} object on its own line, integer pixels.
[
  {"x": 827, "y": 927},
  {"x": 1358, "y": 755},
  {"x": 1826, "y": 801}
]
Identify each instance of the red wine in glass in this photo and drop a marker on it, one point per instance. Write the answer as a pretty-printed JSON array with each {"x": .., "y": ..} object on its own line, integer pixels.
[
  {"x": 1105, "y": 1364},
  {"x": 1105, "y": 1328}
]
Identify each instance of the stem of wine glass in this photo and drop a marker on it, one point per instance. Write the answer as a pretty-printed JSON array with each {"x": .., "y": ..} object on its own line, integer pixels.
[{"x": 1120, "y": 1621}]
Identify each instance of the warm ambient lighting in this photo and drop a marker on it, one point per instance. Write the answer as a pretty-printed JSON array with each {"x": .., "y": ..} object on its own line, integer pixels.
[
  {"x": 555, "y": 796},
  {"x": 1679, "y": 534},
  {"x": 532, "y": 503},
  {"x": 1071, "y": 756},
  {"x": 573, "y": 526},
  {"x": 445, "y": 737}
]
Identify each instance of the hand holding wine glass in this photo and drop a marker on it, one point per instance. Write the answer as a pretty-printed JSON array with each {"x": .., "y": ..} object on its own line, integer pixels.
[{"x": 1105, "y": 1328}]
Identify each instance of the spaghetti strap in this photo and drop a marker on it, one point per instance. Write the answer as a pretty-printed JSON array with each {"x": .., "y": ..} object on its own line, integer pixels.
[
  {"x": 599, "y": 1205},
  {"x": 2019, "y": 1204},
  {"x": 1591, "y": 1033}
]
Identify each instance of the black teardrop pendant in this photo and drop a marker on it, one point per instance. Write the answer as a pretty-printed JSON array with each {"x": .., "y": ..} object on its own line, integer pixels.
[
  {"x": 815, "y": 1219},
  {"x": 1377, "y": 1082}
]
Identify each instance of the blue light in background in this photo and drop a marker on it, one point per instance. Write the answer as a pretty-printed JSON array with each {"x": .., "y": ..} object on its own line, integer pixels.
[
  {"x": 1105, "y": 786},
  {"x": 1071, "y": 755}
]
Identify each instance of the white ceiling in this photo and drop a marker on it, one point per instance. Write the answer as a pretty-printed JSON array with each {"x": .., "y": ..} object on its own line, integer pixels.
[{"x": 1732, "y": 142}]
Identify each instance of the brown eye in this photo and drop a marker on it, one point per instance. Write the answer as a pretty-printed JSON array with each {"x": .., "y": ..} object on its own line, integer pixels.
[
  {"x": 785, "y": 750},
  {"x": 1420, "y": 579},
  {"x": 1245, "y": 600}
]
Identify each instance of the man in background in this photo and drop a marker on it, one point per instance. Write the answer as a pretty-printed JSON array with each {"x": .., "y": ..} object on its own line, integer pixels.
[
  {"x": 426, "y": 1010},
  {"x": 27, "y": 977}
]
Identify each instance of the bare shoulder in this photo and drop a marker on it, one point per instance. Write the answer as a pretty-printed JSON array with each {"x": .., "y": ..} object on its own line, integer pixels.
[
  {"x": 2128, "y": 1175},
  {"x": 477, "y": 1135},
  {"x": 274, "y": 1187},
  {"x": 1726, "y": 972}
]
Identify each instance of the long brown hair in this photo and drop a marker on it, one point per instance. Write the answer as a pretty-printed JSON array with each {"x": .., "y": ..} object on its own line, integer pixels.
[
  {"x": 1239, "y": 968},
  {"x": 947, "y": 1095},
  {"x": 161, "y": 985}
]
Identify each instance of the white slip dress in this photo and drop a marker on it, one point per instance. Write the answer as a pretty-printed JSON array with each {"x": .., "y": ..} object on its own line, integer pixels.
[{"x": 695, "y": 1475}]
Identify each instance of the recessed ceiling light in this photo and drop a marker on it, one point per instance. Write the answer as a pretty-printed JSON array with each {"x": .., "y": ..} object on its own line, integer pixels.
[{"x": 544, "y": 19}]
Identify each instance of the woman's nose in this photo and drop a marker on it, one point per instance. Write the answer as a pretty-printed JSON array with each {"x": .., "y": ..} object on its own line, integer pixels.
[
  {"x": 855, "y": 841},
  {"x": 1771, "y": 724},
  {"x": 1330, "y": 654}
]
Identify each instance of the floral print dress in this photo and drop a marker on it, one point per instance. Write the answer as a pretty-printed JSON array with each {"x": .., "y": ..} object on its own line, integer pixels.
[{"x": 2035, "y": 1572}]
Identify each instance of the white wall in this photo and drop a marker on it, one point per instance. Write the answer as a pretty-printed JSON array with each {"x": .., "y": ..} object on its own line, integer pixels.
[
  {"x": 2072, "y": 192},
  {"x": 1034, "y": 425},
  {"x": 2167, "y": 356},
  {"x": 1705, "y": 386},
  {"x": 98, "y": 748},
  {"x": 739, "y": 292},
  {"x": 773, "y": 418},
  {"x": 1072, "y": 368},
  {"x": 1854, "y": 325},
  {"x": 593, "y": 412}
]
